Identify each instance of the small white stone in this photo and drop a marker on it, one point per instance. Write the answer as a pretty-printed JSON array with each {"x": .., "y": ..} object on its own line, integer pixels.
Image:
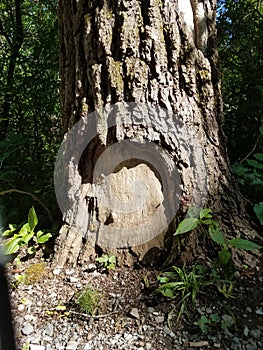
[
  {"x": 72, "y": 345},
  {"x": 135, "y": 313},
  {"x": 29, "y": 317},
  {"x": 73, "y": 279},
  {"x": 21, "y": 307},
  {"x": 150, "y": 310},
  {"x": 36, "y": 347},
  {"x": 245, "y": 331},
  {"x": 27, "y": 329},
  {"x": 49, "y": 329},
  {"x": 259, "y": 311},
  {"x": 160, "y": 319},
  {"x": 127, "y": 337},
  {"x": 87, "y": 346},
  {"x": 91, "y": 267}
]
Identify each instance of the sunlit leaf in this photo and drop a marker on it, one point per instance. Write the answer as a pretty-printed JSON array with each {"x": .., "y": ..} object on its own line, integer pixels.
[
  {"x": 32, "y": 218},
  {"x": 12, "y": 246}
]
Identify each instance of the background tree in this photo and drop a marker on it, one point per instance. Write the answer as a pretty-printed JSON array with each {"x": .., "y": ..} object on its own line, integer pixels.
[
  {"x": 240, "y": 48},
  {"x": 163, "y": 54},
  {"x": 29, "y": 104}
]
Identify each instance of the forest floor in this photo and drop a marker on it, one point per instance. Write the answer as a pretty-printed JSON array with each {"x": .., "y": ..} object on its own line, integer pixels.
[{"x": 129, "y": 315}]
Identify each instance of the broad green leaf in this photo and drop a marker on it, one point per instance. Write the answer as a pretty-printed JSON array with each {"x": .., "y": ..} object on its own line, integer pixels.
[
  {"x": 209, "y": 222},
  {"x": 44, "y": 238},
  {"x": 25, "y": 229},
  {"x": 257, "y": 182},
  {"x": 216, "y": 235},
  {"x": 12, "y": 246},
  {"x": 163, "y": 279},
  {"x": 168, "y": 293},
  {"x": 258, "y": 156},
  {"x": 203, "y": 323},
  {"x": 112, "y": 259},
  {"x": 224, "y": 256},
  {"x": 103, "y": 259},
  {"x": 194, "y": 212},
  {"x": 261, "y": 130},
  {"x": 111, "y": 266},
  {"x": 214, "y": 317},
  {"x": 39, "y": 233},
  {"x": 26, "y": 238},
  {"x": 12, "y": 228},
  {"x": 227, "y": 321},
  {"x": 32, "y": 218},
  {"x": 244, "y": 244},
  {"x": 187, "y": 225},
  {"x": 258, "y": 209},
  {"x": 205, "y": 213},
  {"x": 170, "y": 285},
  {"x": 255, "y": 163}
]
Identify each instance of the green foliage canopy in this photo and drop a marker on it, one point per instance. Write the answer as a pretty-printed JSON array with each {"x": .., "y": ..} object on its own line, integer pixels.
[{"x": 29, "y": 102}]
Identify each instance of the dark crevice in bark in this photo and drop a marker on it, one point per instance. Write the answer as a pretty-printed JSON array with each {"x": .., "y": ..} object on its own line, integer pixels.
[
  {"x": 128, "y": 81},
  {"x": 168, "y": 47},
  {"x": 145, "y": 4},
  {"x": 111, "y": 135},
  {"x": 115, "y": 46},
  {"x": 89, "y": 158},
  {"x": 168, "y": 147}
]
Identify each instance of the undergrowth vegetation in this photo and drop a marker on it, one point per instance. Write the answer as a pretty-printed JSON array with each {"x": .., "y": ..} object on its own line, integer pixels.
[
  {"x": 89, "y": 300},
  {"x": 25, "y": 236},
  {"x": 185, "y": 283}
]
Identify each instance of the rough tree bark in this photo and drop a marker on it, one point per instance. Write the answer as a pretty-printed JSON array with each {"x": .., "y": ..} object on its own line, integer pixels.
[{"x": 159, "y": 55}]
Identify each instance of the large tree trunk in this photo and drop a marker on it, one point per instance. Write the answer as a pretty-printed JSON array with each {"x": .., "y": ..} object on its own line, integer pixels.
[{"x": 154, "y": 145}]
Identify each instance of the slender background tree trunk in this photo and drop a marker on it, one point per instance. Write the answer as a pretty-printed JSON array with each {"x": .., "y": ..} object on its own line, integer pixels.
[
  {"x": 15, "y": 44},
  {"x": 150, "y": 53}
]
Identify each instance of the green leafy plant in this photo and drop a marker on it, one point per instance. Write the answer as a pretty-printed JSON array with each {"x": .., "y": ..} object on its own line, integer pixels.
[
  {"x": 25, "y": 236},
  {"x": 205, "y": 220},
  {"x": 225, "y": 321},
  {"x": 258, "y": 209},
  {"x": 204, "y": 321},
  {"x": 18, "y": 279},
  {"x": 187, "y": 284},
  {"x": 108, "y": 262},
  {"x": 183, "y": 284},
  {"x": 89, "y": 300},
  {"x": 249, "y": 173}
]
